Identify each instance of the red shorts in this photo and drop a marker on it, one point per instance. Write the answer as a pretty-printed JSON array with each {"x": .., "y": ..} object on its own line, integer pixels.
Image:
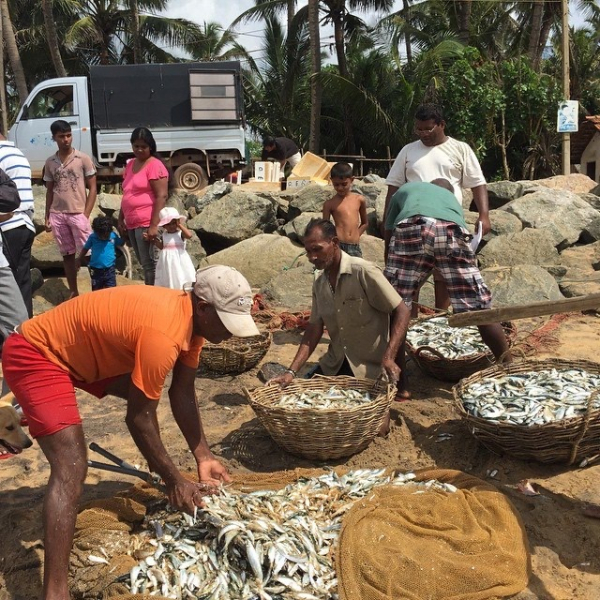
[{"x": 45, "y": 392}]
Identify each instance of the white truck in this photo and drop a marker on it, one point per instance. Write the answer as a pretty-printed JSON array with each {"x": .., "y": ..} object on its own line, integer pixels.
[{"x": 194, "y": 110}]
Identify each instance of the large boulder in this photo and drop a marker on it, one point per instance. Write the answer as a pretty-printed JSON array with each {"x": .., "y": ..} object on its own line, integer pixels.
[
  {"x": 527, "y": 247},
  {"x": 195, "y": 250},
  {"x": 279, "y": 199},
  {"x": 233, "y": 218},
  {"x": 310, "y": 199},
  {"x": 261, "y": 257},
  {"x": 551, "y": 207},
  {"x": 583, "y": 258},
  {"x": 44, "y": 252},
  {"x": 109, "y": 203},
  {"x": 502, "y": 192},
  {"x": 592, "y": 199},
  {"x": 372, "y": 249},
  {"x": 39, "y": 207},
  {"x": 196, "y": 203},
  {"x": 575, "y": 182},
  {"x": 521, "y": 284},
  {"x": 295, "y": 228},
  {"x": 579, "y": 283},
  {"x": 291, "y": 289},
  {"x": 371, "y": 191},
  {"x": 501, "y": 222}
]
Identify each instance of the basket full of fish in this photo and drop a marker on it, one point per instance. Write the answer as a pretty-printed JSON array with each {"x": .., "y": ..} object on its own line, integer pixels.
[
  {"x": 547, "y": 410},
  {"x": 259, "y": 544},
  {"x": 450, "y": 353},
  {"x": 324, "y": 417}
]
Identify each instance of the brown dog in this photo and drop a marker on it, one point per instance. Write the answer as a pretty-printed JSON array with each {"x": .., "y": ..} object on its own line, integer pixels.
[{"x": 12, "y": 437}]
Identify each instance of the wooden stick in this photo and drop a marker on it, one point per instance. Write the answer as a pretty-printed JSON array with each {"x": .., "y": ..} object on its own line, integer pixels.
[{"x": 525, "y": 311}]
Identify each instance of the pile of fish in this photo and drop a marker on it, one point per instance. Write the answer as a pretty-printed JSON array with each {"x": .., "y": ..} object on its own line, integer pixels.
[
  {"x": 334, "y": 397},
  {"x": 261, "y": 545},
  {"x": 451, "y": 342},
  {"x": 532, "y": 397}
]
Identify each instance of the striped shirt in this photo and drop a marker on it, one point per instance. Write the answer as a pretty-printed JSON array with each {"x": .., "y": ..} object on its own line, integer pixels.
[{"x": 16, "y": 166}]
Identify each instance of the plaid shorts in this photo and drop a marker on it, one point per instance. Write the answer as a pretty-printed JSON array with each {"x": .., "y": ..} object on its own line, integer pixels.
[
  {"x": 418, "y": 245},
  {"x": 351, "y": 249},
  {"x": 71, "y": 231}
]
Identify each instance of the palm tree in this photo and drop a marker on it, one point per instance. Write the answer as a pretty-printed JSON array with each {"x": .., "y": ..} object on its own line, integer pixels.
[
  {"x": 102, "y": 32},
  {"x": 315, "y": 79},
  {"x": 212, "y": 42},
  {"x": 3, "y": 103},
  {"x": 52, "y": 38},
  {"x": 13, "y": 51}
]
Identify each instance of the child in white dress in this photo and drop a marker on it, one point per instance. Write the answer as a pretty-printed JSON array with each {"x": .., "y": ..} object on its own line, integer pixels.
[{"x": 174, "y": 267}]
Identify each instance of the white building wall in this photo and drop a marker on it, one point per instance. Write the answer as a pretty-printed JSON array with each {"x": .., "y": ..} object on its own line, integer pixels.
[{"x": 592, "y": 154}]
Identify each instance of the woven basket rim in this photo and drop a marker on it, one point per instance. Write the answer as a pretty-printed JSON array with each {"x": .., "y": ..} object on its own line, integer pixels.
[
  {"x": 519, "y": 367},
  {"x": 383, "y": 390}
]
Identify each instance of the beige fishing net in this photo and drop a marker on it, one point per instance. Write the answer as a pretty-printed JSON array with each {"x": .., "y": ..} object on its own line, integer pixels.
[
  {"x": 400, "y": 545},
  {"x": 394, "y": 544}
]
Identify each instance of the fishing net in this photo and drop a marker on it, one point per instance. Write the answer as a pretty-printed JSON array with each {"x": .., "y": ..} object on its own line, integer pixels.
[
  {"x": 394, "y": 544},
  {"x": 398, "y": 545},
  {"x": 273, "y": 320}
]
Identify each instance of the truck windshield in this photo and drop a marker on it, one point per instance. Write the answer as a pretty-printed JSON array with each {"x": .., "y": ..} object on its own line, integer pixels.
[{"x": 52, "y": 102}]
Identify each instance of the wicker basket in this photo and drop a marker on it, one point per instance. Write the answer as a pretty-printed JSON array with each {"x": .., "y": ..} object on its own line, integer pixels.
[
  {"x": 432, "y": 362},
  {"x": 235, "y": 355},
  {"x": 322, "y": 434},
  {"x": 565, "y": 441}
]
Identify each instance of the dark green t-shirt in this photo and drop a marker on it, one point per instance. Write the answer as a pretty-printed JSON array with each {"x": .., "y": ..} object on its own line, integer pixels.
[{"x": 419, "y": 198}]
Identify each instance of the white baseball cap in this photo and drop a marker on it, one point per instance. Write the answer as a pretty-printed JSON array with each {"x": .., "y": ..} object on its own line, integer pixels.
[{"x": 229, "y": 292}]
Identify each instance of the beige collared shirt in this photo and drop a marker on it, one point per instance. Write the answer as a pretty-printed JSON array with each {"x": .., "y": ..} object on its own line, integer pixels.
[{"x": 356, "y": 315}]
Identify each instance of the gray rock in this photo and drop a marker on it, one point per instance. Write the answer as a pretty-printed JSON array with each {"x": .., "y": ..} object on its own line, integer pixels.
[
  {"x": 270, "y": 370},
  {"x": 291, "y": 289},
  {"x": 372, "y": 249},
  {"x": 310, "y": 199},
  {"x": 586, "y": 258},
  {"x": 261, "y": 257},
  {"x": 595, "y": 190},
  {"x": 521, "y": 284},
  {"x": 37, "y": 279},
  {"x": 502, "y": 192},
  {"x": 502, "y": 223},
  {"x": 280, "y": 201},
  {"x": 109, "y": 203},
  {"x": 574, "y": 182},
  {"x": 207, "y": 196},
  {"x": 527, "y": 247},
  {"x": 39, "y": 207},
  {"x": 233, "y": 218},
  {"x": 195, "y": 250},
  {"x": 370, "y": 191},
  {"x": 540, "y": 209},
  {"x": 374, "y": 178},
  {"x": 580, "y": 283},
  {"x": 591, "y": 233},
  {"x": 591, "y": 198},
  {"x": 296, "y": 227},
  {"x": 557, "y": 271},
  {"x": 45, "y": 253}
]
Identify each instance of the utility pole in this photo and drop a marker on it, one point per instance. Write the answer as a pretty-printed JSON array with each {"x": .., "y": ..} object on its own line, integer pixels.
[{"x": 566, "y": 137}]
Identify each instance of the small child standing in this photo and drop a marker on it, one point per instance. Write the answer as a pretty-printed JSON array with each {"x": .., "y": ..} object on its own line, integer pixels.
[
  {"x": 174, "y": 267},
  {"x": 102, "y": 242},
  {"x": 349, "y": 210}
]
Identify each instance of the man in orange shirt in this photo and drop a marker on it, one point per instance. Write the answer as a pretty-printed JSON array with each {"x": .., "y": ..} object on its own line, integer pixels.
[{"x": 121, "y": 341}]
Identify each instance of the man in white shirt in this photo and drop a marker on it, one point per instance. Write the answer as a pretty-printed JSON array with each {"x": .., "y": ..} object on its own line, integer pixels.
[
  {"x": 18, "y": 232},
  {"x": 438, "y": 156}
]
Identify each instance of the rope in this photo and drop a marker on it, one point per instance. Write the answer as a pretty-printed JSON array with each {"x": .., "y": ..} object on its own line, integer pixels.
[
  {"x": 586, "y": 424},
  {"x": 272, "y": 320}
]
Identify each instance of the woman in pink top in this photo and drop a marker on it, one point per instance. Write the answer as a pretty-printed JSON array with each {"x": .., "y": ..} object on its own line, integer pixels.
[{"x": 145, "y": 191}]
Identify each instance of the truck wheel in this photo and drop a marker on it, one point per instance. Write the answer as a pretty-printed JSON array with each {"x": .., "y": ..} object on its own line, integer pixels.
[{"x": 190, "y": 177}]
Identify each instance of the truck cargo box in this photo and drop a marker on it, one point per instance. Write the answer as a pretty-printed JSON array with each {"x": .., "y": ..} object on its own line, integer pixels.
[{"x": 166, "y": 95}]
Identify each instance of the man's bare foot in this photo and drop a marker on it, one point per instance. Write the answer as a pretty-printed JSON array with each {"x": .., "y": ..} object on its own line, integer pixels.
[
  {"x": 591, "y": 510},
  {"x": 402, "y": 396}
]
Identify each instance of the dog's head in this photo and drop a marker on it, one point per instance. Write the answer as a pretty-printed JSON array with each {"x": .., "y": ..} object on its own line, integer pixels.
[{"x": 12, "y": 437}]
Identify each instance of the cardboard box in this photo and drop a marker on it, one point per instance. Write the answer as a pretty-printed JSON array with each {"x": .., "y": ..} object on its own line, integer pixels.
[
  {"x": 294, "y": 183},
  {"x": 267, "y": 171}
]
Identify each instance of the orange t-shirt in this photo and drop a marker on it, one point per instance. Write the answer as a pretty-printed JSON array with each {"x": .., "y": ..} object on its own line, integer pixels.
[{"x": 142, "y": 330}]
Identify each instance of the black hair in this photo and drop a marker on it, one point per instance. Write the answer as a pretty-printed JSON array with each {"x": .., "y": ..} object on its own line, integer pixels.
[
  {"x": 268, "y": 140},
  {"x": 427, "y": 112},
  {"x": 341, "y": 170},
  {"x": 60, "y": 126},
  {"x": 327, "y": 228},
  {"x": 102, "y": 226},
  {"x": 144, "y": 134}
]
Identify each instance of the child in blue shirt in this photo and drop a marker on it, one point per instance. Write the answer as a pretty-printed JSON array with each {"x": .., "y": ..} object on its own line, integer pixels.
[{"x": 102, "y": 243}]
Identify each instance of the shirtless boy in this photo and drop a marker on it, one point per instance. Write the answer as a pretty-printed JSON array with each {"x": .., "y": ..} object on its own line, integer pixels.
[{"x": 349, "y": 210}]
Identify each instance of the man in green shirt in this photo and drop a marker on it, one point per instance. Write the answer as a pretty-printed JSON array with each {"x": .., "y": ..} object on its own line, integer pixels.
[{"x": 425, "y": 228}]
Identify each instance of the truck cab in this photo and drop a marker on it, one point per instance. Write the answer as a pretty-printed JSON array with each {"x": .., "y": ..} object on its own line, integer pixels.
[{"x": 194, "y": 110}]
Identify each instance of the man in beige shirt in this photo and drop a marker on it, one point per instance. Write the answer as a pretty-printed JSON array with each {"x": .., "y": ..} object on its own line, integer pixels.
[{"x": 364, "y": 316}]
